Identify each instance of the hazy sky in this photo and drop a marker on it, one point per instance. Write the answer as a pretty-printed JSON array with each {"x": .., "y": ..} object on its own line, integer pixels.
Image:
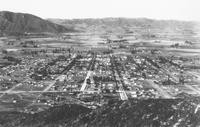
[{"x": 159, "y": 9}]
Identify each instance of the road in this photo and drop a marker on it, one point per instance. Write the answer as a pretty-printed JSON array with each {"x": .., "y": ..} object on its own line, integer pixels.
[
  {"x": 61, "y": 78},
  {"x": 175, "y": 79},
  {"x": 122, "y": 93},
  {"x": 165, "y": 71},
  {"x": 85, "y": 81},
  {"x": 195, "y": 89},
  {"x": 192, "y": 88},
  {"x": 89, "y": 73},
  {"x": 195, "y": 74},
  {"x": 70, "y": 64},
  {"x": 9, "y": 90},
  {"x": 18, "y": 92},
  {"x": 159, "y": 89}
]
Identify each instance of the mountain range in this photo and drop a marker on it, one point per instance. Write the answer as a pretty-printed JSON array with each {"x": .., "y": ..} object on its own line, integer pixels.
[
  {"x": 140, "y": 28},
  {"x": 15, "y": 23}
]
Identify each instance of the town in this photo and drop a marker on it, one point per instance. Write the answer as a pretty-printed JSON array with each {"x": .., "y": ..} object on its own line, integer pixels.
[
  {"x": 103, "y": 63},
  {"x": 34, "y": 78}
]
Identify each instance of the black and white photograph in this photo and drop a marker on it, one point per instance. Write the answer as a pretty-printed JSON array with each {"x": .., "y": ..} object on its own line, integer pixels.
[{"x": 99, "y": 63}]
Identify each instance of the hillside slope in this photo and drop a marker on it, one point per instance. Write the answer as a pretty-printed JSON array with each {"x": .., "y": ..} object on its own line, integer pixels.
[
  {"x": 133, "y": 113},
  {"x": 12, "y": 23}
]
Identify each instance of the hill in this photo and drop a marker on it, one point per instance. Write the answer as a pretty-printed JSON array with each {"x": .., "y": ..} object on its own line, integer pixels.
[
  {"x": 16, "y": 23},
  {"x": 133, "y": 113}
]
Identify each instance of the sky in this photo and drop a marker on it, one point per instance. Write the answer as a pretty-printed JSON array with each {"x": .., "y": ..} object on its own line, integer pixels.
[{"x": 68, "y": 9}]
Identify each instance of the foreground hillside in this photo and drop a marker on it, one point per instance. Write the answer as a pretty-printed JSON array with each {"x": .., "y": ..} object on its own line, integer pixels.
[
  {"x": 14, "y": 23},
  {"x": 132, "y": 113}
]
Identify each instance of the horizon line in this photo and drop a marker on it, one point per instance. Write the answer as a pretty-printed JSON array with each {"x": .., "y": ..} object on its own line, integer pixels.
[{"x": 106, "y": 17}]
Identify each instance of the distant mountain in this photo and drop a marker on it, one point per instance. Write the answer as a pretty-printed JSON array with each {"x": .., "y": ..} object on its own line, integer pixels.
[
  {"x": 140, "y": 27},
  {"x": 13, "y": 23},
  {"x": 124, "y": 22}
]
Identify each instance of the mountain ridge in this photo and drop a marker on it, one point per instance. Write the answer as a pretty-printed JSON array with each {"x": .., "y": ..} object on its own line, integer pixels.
[
  {"x": 129, "y": 24},
  {"x": 13, "y": 23}
]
